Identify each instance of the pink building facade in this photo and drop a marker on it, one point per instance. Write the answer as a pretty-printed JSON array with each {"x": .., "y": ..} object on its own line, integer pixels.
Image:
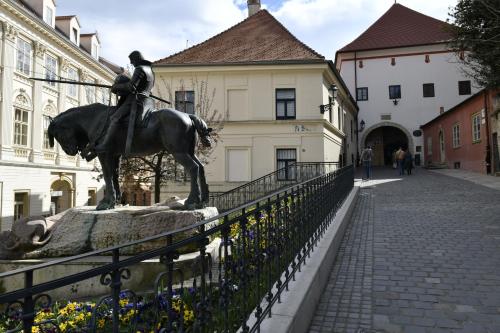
[{"x": 461, "y": 137}]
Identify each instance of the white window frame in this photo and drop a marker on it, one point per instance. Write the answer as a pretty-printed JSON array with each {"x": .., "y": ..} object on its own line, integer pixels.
[
  {"x": 25, "y": 203},
  {"x": 51, "y": 69},
  {"x": 476, "y": 127},
  {"x": 45, "y": 138},
  {"x": 22, "y": 125},
  {"x": 456, "y": 135},
  {"x": 24, "y": 56},
  {"x": 73, "y": 88}
]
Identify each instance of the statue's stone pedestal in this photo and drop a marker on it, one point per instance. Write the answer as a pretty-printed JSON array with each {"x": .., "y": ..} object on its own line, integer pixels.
[
  {"x": 83, "y": 229},
  {"x": 142, "y": 276}
]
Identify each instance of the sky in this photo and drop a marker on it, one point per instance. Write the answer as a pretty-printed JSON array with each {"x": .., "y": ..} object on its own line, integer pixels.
[{"x": 159, "y": 28}]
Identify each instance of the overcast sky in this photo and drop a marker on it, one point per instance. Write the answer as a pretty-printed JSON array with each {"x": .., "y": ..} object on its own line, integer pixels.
[{"x": 159, "y": 28}]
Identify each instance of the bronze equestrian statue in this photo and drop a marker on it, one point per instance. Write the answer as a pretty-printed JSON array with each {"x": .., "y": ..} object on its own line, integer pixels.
[{"x": 81, "y": 129}]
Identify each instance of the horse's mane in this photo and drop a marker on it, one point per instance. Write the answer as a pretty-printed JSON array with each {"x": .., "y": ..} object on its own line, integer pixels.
[{"x": 70, "y": 112}]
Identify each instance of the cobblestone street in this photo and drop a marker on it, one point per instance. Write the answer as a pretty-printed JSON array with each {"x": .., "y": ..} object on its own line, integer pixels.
[{"x": 421, "y": 254}]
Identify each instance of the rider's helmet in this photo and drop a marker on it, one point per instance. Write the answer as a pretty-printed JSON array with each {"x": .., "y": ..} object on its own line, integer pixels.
[{"x": 136, "y": 59}]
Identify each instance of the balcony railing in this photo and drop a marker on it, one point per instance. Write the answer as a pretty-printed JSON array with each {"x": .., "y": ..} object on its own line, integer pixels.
[
  {"x": 293, "y": 174},
  {"x": 262, "y": 245}
]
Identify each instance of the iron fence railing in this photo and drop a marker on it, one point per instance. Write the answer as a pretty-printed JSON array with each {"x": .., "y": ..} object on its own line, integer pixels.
[
  {"x": 293, "y": 174},
  {"x": 262, "y": 245}
]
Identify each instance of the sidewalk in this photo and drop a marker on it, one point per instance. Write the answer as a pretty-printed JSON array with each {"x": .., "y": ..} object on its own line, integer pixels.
[{"x": 421, "y": 254}]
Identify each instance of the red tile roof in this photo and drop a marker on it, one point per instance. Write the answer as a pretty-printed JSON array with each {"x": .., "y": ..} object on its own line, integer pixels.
[
  {"x": 259, "y": 38},
  {"x": 398, "y": 27}
]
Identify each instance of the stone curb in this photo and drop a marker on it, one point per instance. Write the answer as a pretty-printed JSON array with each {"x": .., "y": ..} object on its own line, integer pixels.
[{"x": 296, "y": 310}]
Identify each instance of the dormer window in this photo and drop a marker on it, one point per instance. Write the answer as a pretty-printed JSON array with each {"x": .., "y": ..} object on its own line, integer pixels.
[
  {"x": 74, "y": 35},
  {"x": 49, "y": 16}
]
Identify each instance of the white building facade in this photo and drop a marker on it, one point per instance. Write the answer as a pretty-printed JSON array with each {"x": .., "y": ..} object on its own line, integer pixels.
[
  {"x": 403, "y": 74},
  {"x": 36, "y": 179}
]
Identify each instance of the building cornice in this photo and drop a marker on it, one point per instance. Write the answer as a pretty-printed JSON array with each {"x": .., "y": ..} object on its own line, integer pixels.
[
  {"x": 41, "y": 27},
  {"x": 239, "y": 67},
  {"x": 44, "y": 166}
]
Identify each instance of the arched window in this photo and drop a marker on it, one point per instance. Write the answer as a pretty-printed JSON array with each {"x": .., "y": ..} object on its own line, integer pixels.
[
  {"x": 49, "y": 111},
  {"x": 22, "y": 110}
]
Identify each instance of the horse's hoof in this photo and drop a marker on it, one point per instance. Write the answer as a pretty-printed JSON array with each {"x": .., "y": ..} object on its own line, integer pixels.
[
  {"x": 104, "y": 206},
  {"x": 190, "y": 206}
]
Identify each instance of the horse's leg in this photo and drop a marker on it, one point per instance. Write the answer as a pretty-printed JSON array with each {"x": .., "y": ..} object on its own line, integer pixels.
[
  {"x": 116, "y": 174},
  {"x": 194, "y": 199},
  {"x": 203, "y": 182},
  {"x": 108, "y": 202}
]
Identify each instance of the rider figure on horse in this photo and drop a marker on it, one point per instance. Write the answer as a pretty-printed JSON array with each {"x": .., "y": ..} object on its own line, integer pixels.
[{"x": 136, "y": 90}]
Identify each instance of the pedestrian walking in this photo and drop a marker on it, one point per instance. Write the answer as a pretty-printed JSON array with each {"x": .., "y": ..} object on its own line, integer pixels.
[
  {"x": 408, "y": 162},
  {"x": 400, "y": 155},
  {"x": 366, "y": 157}
]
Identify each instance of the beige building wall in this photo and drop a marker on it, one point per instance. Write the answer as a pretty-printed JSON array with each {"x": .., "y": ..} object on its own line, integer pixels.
[{"x": 252, "y": 134}]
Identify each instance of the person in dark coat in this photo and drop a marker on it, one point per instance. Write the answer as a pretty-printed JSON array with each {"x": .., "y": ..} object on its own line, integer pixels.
[{"x": 408, "y": 162}]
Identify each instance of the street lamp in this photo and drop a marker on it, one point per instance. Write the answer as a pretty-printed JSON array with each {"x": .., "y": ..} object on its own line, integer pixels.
[
  {"x": 333, "y": 95},
  {"x": 361, "y": 126}
]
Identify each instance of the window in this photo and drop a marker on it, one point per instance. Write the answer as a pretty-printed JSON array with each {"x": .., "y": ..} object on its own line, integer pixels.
[
  {"x": 238, "y": 165},
  {"x": 184, "y": 101},
  {"x": 73, "y": 88},
  {"x": 429, "y": 146},
  {"x": 285, "y": 103},
  {"x": 90, "y": 91},
  {"x": 74, "y": 36},
  {"x": 362, "y": 94},
  {"x": 395, "y": 91},
  {"x": 464, "y": 87},
  {"x": 456, "y": 136},
  {"x": 21, "y": 127},
  {"x": 284, "y": 160},
  {"x": 46, "y": 123},
  {"x": 23, "y": 56},
  {"x": 476, "y": 127},
  {"x": 49, "y": 15},
  {"x": 50, "y": 69},
  {"x": 428, "y": 89},
  {"x": 21, "y": 206}
]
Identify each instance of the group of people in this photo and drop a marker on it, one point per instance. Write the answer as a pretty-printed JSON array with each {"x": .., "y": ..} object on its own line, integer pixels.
[{"x": 402, "y": 160}]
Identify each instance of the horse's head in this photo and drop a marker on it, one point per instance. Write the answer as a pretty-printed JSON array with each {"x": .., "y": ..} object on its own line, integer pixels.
[
  {"x": 65, "y": 133},
  {"x": 71, "y": 128}
]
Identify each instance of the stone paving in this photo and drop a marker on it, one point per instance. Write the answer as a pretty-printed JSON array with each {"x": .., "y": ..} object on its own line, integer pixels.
[{"x": 421, "y": 254}]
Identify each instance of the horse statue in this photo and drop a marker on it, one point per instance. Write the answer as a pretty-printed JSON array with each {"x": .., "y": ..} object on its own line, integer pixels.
[{"x": 78, "y": 128}]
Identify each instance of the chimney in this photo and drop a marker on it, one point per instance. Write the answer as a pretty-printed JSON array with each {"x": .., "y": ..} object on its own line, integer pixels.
[{"x": 253, "y": 7}]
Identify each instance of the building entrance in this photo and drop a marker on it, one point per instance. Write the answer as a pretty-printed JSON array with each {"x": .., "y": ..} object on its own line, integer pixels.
[
  {"x": 385, "y": 141},
  {"x": 61, "y": 196}
]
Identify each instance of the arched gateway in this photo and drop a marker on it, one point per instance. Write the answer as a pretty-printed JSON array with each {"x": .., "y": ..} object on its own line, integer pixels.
[{"x": 385, "y": 138}]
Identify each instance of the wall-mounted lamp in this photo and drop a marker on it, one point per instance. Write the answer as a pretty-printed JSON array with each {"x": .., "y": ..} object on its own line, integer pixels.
[
  {"x": 395, "y": 101},
  {"x": 361, "y": 125},
  {"x": 333, "y": 95}
]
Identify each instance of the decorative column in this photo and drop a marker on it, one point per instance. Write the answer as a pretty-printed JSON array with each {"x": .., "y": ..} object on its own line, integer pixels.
[
  {"x": 37, "y": 117},
  {"x": 9, "y": 35}
]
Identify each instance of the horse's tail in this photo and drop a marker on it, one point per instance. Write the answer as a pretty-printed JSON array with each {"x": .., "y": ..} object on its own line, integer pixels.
[{"x": 202, "y": 129}]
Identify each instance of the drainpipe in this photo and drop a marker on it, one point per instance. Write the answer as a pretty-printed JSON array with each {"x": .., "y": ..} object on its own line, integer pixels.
[
  {"x": 487, "y": 125},
  {"x": 356, "y": 97}
]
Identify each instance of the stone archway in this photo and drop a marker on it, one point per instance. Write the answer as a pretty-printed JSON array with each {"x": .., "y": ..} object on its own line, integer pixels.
[
  {"x": 385, "y": 138},
  {"x": 61, "y": 196}
]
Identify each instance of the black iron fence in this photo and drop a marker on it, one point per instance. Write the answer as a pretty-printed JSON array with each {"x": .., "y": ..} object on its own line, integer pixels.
[
  {"x": 295, "y": 173},
  {"x": 262, "y": 245}
]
